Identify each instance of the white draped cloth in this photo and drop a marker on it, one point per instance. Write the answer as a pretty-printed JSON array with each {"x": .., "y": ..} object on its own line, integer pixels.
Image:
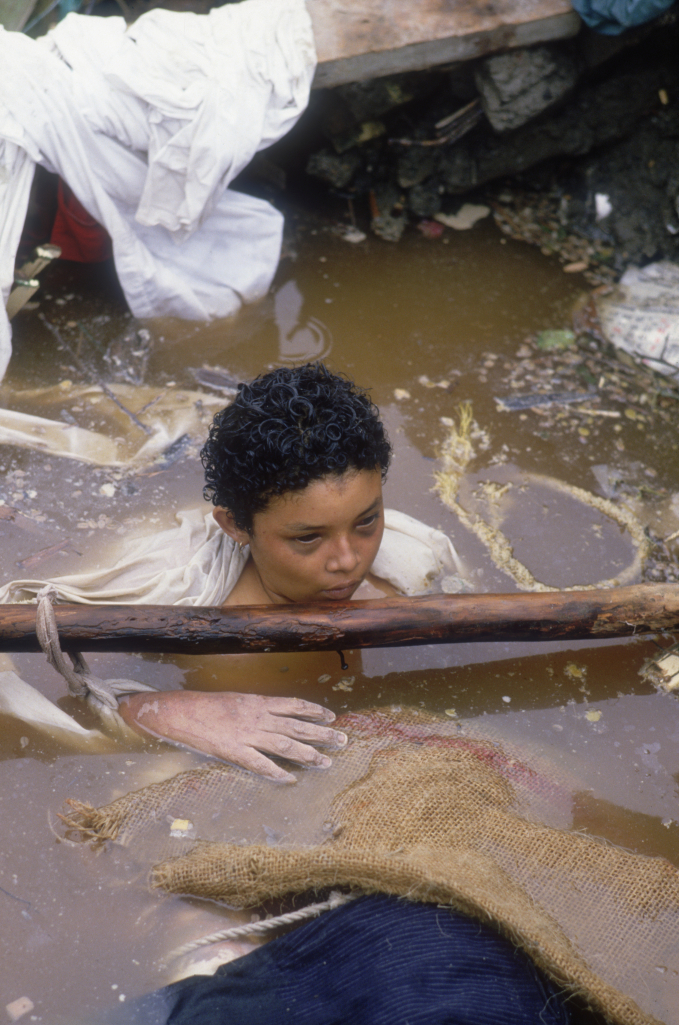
[{"x": 148, "y": 124}]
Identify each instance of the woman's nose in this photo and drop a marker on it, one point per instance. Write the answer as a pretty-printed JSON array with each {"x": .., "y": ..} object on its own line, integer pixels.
[{"x": 343, "y": 558}]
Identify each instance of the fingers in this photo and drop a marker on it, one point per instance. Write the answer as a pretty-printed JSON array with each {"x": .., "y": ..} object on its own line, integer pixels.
[
  {"x": 309, "y": 732},
  {"x": 292, "y": 750},
  {"x": 297, "y": 706},
  {"x": 257, "y": 762}
]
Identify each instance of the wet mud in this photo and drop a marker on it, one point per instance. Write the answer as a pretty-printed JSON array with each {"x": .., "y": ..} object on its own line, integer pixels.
[{"x": 428, "y": 326}]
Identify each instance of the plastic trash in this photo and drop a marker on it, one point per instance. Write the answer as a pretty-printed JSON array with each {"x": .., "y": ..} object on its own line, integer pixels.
[
  {"x": 611, "y": 17},
  {"x": 641, "y": 315}
]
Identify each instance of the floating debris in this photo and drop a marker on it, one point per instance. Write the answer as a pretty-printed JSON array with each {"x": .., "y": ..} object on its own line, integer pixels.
[
  {"x": 540, "y": 219},
  {"x": 553, "y": 398},
  {"x": 182, "y": 829},
  {"x": 562, "y": 339},
  {"x": 346, "y": 684},
  {"x": 34, "y": 560},
  {"x": 216, "y": 378},
  {"x": 663, "y": 670},
  {"x": 18, "y": 1008}
]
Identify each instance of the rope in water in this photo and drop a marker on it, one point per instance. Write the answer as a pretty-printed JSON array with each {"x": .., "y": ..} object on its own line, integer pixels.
[
  {"x": 102, "y": 695},
  {"x": 335, "y": 900}
]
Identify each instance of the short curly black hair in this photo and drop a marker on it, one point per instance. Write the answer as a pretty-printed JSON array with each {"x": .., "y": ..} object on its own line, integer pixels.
[{"x": 286, "y": 429}]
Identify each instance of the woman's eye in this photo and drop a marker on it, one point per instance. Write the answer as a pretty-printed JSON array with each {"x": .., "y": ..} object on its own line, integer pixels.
[
  {"x": 368, "y": 521},
  {"x": 307, "y": 539}
]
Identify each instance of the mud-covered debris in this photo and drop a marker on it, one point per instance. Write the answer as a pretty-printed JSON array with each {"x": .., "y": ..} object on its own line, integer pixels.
[
  {"x": 216, "y": 378},
  {"x": 663, "y": 670},
  {"x": 45, "y": 553},
  {"x": 560, "y": 339},
  {"x": 510, "y": 403},
  {"x": 127, "y": 356},
  {"x": 543, "y": 219},
  {"x": 389, "y": 228},
  {"x": 335, "y": 169}
]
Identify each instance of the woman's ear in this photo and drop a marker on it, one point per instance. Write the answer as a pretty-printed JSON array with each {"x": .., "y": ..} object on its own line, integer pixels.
[{"x": 226, "y": 521}]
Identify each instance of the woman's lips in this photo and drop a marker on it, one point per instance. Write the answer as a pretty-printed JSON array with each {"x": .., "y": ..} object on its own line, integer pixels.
[{"x": 345, "y": 591}]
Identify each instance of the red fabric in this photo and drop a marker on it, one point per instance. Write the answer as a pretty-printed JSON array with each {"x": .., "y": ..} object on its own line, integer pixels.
[{"x": 78, "y": 235}]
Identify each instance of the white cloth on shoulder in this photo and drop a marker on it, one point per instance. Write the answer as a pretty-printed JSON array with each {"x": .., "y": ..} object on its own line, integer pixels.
[{"x": 196, "y": 563}]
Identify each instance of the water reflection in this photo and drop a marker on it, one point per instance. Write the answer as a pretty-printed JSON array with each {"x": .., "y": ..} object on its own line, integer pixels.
[{"x": 298, "y": 340}]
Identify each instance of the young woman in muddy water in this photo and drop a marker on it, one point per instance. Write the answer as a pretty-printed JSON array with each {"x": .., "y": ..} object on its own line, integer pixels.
[{"x": 294, "y": 468}]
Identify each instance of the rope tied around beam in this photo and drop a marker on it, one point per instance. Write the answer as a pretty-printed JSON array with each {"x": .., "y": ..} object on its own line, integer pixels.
[{"x": 101, "y": 695}]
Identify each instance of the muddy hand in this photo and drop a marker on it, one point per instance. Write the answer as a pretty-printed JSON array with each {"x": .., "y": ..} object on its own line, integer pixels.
[{"x": 239, "y": 728}]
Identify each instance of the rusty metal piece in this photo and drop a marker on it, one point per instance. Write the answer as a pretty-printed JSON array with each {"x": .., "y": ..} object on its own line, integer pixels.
[{"x": 25, "y": 279}]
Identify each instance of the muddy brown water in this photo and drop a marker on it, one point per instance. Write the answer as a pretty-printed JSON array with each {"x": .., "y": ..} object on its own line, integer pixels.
[{"x": 80, "y": 931}]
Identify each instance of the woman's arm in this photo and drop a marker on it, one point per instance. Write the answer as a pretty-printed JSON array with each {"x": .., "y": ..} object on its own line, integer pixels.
[{"x": 239, "y": 728}]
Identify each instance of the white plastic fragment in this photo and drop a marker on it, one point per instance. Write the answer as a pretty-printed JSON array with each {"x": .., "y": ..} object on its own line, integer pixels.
[
  {"x": 353, "y": 235},
  {"x": 18, "y": 1008},
  {"x": 465, "y": 218},
  {"x": 603, "y": 205}
]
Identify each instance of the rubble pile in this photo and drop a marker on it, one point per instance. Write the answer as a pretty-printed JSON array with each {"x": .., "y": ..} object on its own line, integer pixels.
[{"x": 574, "y": 144}]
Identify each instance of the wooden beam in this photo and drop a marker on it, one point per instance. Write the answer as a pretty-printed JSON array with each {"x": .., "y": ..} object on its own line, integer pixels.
[
  {"x": 433, "y": 619},
  {"x": 357, "y": 40}
]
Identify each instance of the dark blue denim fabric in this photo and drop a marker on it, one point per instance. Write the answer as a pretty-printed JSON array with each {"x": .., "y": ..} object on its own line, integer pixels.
[{"x": 376, "y": 961}]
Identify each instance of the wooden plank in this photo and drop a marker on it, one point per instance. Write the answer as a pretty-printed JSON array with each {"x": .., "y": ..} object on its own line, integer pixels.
[
  {"x": 361, "y": 39},
  {"x": 432, "y": 619}
]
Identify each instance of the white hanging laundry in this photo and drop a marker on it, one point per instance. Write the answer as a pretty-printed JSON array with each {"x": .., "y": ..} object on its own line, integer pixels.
[{"x": 148, "y": 125}]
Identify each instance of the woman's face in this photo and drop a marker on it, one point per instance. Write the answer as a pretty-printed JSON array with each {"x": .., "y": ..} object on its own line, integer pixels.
[{"x": 317, "y": 544}]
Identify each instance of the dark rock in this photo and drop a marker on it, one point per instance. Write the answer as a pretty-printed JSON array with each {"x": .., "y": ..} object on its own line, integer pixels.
[
  {"x": 517, "y": 86},
  {"x": 598, "y": 114},
  {"x": 388, "y": 198},
  {"x": 415, "y": 165},
  {"x": 425, "y": 200},
  {"x": 389, "y": 228},
  {"x": 461, "y": 82},
  {"x": 334, "y": 169},
  {"x": 366, "y": 131},
  {"x": 367, "y": 101},
  {"x": 640, "y": 176}
]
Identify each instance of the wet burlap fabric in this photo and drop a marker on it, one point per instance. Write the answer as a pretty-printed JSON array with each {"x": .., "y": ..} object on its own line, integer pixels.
[{"x": 414, "y": 807}]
